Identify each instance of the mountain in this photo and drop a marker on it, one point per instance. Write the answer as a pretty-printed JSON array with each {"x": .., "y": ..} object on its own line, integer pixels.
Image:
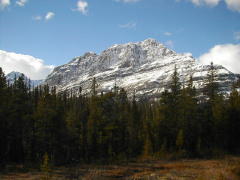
[
  {"x": 144, "y": 67},
  {"x": 12, "y": 75},
  {"x": 31, "y": 66}
]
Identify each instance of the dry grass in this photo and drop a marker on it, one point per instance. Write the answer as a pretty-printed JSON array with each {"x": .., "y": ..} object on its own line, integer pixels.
[{"x": 221, "y": 169}]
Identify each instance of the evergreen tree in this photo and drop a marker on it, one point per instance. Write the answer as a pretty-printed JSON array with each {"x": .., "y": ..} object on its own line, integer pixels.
[
  {"x": 211, "y": 89},
  {"x": 19, "y": 110},
  {"x": 170, "y": 102},
  {"x": 76, "y": 128},
  {"x": 94, "y": 87},
  {"x": 180, "y": 140},
  {"x": 49, "y": 126},
  {"x": 3, "y": 118},
  {"x": 134, "y": 130},
  {"x": 232, "y": 123},
  {"x": 208, "y": 121},
  {"x": 189, "y": 117}
]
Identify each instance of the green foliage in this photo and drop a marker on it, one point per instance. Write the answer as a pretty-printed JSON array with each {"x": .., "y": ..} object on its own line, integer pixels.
[
  {"x": 211, "y": 89},
  {"x": 180, "y": 140},
  {"x": 3, "y": 120}
]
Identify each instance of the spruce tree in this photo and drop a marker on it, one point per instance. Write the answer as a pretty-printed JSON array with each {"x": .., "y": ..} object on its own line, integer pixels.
[
  {"x": 3, "y": 118},
  {"x": 232, "y": 123},
  {"x": 188, "y": 122},
  {"x": 208, "y": 121},
  {"x": 170, "y": 102},
  {"x": 94, "y": 87},
  {"x": 211, "y": 89}
]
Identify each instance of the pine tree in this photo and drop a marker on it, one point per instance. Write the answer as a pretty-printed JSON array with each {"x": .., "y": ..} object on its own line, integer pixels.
[
  {"x": 3, "y": 118},
  {"x": 147, "y": 130},
  {"x": 232, "y": 123},
  {"x": 49, "y": 125},
  {"x": 170, "y": 109},
  {"x": 20, "y": 109},
  {"x": 123, "y": 113},
  {"x": 188, "y": 117},
  {"x": 175, "y": 85},
  {"x": 93, "y": 125},
  {"x": 94, "y": 87},
  {"x": 134, "y": 130},
  {"x": 211, "y": 89},
  {"x": 208, "y": 121}
]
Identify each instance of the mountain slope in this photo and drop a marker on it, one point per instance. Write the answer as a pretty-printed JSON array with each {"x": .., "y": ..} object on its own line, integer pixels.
[
  {"x": 144, "y": 67},
  {"x": 10, "y": 77}
]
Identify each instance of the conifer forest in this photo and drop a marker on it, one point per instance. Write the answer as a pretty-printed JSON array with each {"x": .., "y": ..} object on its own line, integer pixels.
[{"x": 112, "y": 127}]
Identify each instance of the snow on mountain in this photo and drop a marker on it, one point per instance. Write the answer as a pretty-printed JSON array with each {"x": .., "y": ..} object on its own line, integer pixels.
[
  {"x": 142, "y": 67},
  {"x": 10, "y": 77}
]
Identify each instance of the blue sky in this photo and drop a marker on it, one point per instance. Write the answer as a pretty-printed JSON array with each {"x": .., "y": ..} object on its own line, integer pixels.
[{"x": 58, "y": 30}]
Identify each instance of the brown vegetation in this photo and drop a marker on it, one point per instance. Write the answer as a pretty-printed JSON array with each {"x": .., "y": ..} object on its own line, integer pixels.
[{"x": 220, "y": 169}]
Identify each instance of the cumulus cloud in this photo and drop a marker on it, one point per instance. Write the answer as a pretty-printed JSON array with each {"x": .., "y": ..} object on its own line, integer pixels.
[
  {"x": 4, "y": 3},
  {"x": 21, "y": 3},
  {"x": 49, "y": 16},
  {"x": 203, "y": 2},
  {"x": 227, "y": 55},
  {"x": 127, "y": 1},
  {"x": 206, "y": 2},
  {"x": 30, "y": 66},
  {"x": 231, "y": 4},
  {"x": 130, "y": 25},
  {"x": 82, "y": 6}
]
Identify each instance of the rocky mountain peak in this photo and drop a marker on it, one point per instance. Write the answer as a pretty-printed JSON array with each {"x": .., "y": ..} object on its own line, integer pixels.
[
  {"x": 143, "y": 67},
  {"x": 10, "y": 77},
  {"x": 150, "y": 42},
  {"x": 14, "y": 74}
]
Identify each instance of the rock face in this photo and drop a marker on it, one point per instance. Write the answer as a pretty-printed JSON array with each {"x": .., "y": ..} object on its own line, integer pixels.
[
  {"x": 10, "y": 77},
  {"x": 144, "y": 67}
]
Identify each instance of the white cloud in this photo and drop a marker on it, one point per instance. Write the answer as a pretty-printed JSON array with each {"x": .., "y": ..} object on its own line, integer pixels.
[
  {"x": 204, "y": 2},
  {"x": 237, "y": 36},
  {"x": 167, "y": 33},
  {"x": 233, "y": 5},
  {"x": 169, "y": 43},
  {"x": 37, "y": 18},
  {"x": 127, "y": 1},
  {"x": 21, "y": 3},
  {"x": 82, "y": 6},
  {"x": 227, "y": 55},
  {"x": 30, "y": 66},
  {"x": 49, "y": 16},
  {"x": 130, "y": 25},
  {"x": 4, "y": 3}
]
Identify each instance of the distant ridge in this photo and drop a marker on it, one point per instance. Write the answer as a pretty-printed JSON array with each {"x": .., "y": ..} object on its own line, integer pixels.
[{"x": 15, "y": 75}]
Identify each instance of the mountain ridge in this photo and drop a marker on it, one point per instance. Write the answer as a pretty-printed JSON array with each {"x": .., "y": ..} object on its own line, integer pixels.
[
  {"x": 10, "y": 77},
  {"x": 142, "y": 68}
]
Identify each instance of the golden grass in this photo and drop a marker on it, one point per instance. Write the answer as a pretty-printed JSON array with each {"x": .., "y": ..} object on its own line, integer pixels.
[{"x": 220, "y": 169}]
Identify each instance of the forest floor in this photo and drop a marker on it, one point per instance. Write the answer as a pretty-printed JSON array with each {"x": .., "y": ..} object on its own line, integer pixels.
[{"x": 218, "y": 169}]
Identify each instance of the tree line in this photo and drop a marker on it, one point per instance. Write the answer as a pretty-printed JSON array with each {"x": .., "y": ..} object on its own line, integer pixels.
[{"x": 111, "y": 127}]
